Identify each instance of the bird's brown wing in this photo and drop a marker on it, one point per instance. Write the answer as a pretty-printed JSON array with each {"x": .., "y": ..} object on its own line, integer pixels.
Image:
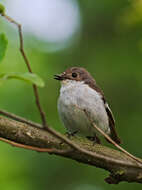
[{"x": 113, "y": 135}]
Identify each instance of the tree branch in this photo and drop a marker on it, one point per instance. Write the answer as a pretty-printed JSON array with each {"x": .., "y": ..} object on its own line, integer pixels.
[{"x": 120, "y": 166}]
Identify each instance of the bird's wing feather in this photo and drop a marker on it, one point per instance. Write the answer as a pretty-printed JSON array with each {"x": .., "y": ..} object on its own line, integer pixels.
[{"x": 114, "y": 135}]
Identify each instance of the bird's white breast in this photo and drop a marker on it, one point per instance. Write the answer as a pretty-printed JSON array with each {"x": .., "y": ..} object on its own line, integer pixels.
[{"x": 75, "y": 96}]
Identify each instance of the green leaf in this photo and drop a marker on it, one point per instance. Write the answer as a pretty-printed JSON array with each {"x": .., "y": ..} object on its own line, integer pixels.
[
  {"x": 27, "y": 77},
  {"x": 3, "y": 45},
  {"x": 2, "y": 9}
]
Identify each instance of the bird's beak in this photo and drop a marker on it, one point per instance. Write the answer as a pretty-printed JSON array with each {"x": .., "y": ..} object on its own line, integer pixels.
[{"x": 59, "y": 77}]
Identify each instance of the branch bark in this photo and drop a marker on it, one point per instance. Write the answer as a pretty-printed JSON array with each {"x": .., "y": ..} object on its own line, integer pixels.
[{"x": 120, "y": 166}]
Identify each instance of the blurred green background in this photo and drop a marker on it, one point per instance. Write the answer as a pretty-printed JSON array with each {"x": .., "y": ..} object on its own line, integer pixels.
[{"x": 103, "y": 36}]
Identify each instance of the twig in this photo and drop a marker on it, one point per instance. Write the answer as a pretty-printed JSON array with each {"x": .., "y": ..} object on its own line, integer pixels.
[
  {"x": 26, "y": 146},
  {"x": 110, "y": 140},
  {"x": 42, "y": 113},
  {"x": 38, "y": 149}
]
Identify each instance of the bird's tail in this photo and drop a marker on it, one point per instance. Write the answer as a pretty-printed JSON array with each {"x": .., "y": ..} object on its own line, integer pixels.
[{"x": 115, "y": 138}]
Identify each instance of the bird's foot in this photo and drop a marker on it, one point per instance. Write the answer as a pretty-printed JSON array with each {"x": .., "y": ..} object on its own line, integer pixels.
[
  {"x": 71, "y": 134},
  {"x": 95, "y": 139}
]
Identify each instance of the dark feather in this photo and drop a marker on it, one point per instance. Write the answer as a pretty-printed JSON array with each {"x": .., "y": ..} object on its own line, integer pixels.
[{"x": 113, "y": 135}]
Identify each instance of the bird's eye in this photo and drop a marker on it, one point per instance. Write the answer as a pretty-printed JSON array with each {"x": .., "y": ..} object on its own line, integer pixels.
[{"x": 74, "y": 75}]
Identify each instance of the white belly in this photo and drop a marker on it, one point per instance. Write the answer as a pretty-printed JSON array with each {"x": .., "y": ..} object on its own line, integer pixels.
[{"x": 74, "y": 98}]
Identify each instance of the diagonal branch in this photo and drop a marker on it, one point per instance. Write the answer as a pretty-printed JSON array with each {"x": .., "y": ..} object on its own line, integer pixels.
[
  {"x": 121, "y": 167},
  {"x": 110, "y": 140}
]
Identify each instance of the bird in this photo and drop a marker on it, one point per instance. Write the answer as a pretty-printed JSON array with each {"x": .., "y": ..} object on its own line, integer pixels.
[{"x": 79, "y": 91}]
